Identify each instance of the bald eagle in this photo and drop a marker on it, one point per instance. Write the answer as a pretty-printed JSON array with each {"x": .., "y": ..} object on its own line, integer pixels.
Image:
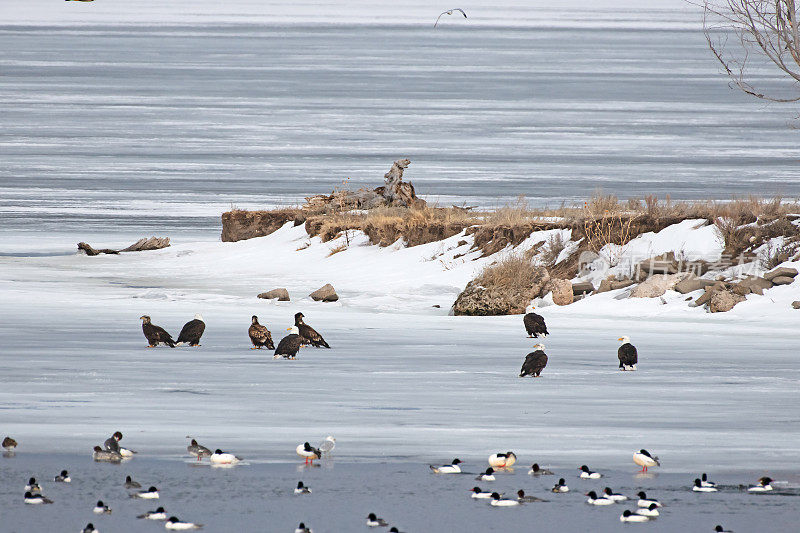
[
  {"x": 155, "y": 334},
  {"x": 627, "y": 355},
  {"x": 260, "y": 335},
  {"x": 192, "y": 331},
  {"x": 308, "y": 333},
  {"x": 534, "y": 362},
  {"x": 290, "y": 344},
  {"x": 534, "y": 325}
]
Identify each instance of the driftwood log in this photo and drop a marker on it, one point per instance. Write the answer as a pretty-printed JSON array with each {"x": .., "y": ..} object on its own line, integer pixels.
[{"x": 153, "y": 243}]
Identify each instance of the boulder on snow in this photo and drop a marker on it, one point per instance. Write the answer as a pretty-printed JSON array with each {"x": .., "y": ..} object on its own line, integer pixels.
[
  {"x": 562, "y": 291},
  {"x": 781, "y": 272},
  {"x": 614, "y": 284},
  {"x": 582, "y": 287},
  {"x": 782, "y": 280},
  {"x": 796, "y": 304},
  {"x": 326, "y": 293},
  {"x": 661, "y": 264},
  {"x": 656, "y": 285},
  {"x": 282, "y": 295},
  {"x": 755, "y": 284},
  {"x": 691, "y": 284},
  {"x": 722, "y": 301},
  {"x": 512, "y": 299}
]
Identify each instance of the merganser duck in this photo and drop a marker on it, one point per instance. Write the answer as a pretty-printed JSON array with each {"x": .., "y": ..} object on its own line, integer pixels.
[
  {"x": 111, "y": 444},
  {"x": 607, "y": 493},
  {"x": 158, "y": 514},
  {"x": 478, "y": 494},
  {"x": 502, "y": 460},
  {"x": 698, "y": 487},
  {"x": 303, "y": 529},
  {"x": 537, "y": 471},
  {"x": 99, "y": 454},
  {"x": 487, "y": 476},
  {"x": 9, "y": 444},
  {"x": 36, "y": 499},
  {"x": 32, "y": 486},
  {"x": 374, "y": 521},
  {"x": 628, "y": 516},
  {"x": 223, "y": 458},
  {"x": 131, "y": 484},
  {"x": 595, "y": 500},
  {"x": 89, "y": 529},
  {"x": 175, "y": 523},
  {"x": 650, "y": 512},
  {"x": 197, "y": 450},
  {"x": 523, "y": 498},
  {"x": 452, "y": 468},
  {"x": 308, "y": 452},
  {"x": 63, "y": 477},
  {"x": 705, "y": 482},
  {"x": 561, "y": 486},
  {"x": 588, "y": 474},
  {"x": 644, "y": 501},
  {"x": 149, "y": 494},
  {"x": 720, "y": 529},
  {"x": 764, "y": 485},
  {"x": 497, "y": 501},
  {"x": 101, "y": 508},
  {"x": 645, "y": 460},
  {"x": 301, "y": 489},
  {"x": 125, "y": 452}
]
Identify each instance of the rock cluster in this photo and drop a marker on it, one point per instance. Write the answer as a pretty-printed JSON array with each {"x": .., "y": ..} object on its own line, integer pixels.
[{"x": 477, "y": 300}]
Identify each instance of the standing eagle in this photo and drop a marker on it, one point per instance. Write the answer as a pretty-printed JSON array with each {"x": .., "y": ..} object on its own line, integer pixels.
[
  {"x": 628, "y": 357},
  {"x": 308, "y": 333},
  {"x": 192, "y": 331},
  {"x": 260, "y": 335},
  {"x": 534, "y": 362},
  {"x": 534, "y": 325},
  {"x": 290, "y": 344},
  {"x": 155, "y": 334}
]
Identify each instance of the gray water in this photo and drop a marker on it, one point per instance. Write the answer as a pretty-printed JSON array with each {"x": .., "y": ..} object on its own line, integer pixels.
[{"x": 160, "y": 129}]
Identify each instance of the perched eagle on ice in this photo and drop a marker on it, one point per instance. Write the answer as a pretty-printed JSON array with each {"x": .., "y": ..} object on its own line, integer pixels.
[
  {"x": 290, "y": 344},
  {"x": 192, "y": 331},
  {"x": 534, "y": 325},
  {"x": 260, "y": 335},
  {"x": 155, "y": 334},
  {"x": 534, "y": 362},
  {"x": 308, "y": 333},
  {"x": 628, "y": 357}
]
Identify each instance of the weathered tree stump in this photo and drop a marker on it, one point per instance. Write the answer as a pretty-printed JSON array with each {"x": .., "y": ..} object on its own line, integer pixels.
[{"x": 153, "y": 243}]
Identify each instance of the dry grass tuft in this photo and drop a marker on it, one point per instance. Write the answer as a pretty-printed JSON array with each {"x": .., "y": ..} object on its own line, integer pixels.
[{"x": 510, "y": 272}]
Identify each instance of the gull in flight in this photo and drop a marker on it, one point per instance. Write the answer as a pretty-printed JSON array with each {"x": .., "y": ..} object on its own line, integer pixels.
[{"x": 448, "y": 12}]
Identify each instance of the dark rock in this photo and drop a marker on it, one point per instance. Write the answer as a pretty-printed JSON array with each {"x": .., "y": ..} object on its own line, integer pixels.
[
  {"x": 326, "y": 293},
  {"x": 282, "y": 295},
  {"x": 781, "y": 272},
  {"x": 582, "y": 287}
]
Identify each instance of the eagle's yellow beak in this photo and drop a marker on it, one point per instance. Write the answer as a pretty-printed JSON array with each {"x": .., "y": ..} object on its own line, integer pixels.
[
  {"x": 288, "y": 329},
  {"x": 619, "y": 339}
]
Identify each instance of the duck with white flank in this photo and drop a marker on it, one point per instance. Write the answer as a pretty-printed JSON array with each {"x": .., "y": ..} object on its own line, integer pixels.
[
  {"x": 649, "y": 512},
  {"x": 149, "y": 494},
  {"x": 192, "y": 331},
  {"x": 301, "y": 488},
  {"x": 628, "y": 516},
  {"x": 452, "y": 468},
  {"x": 502, "y": 460},
  {"x": 487, "y": 476},
  {"x": 374, "y": 521},
  {"x": 536, "y": 470},
  {"x": 111, "y": 444},
  {"x": 521, "y": 497},
  {"x": 698, "y": 487},
  {"x": 289, "y": 345},
  {"x": 33, "y": 486},
  {"x": 303, "y": 529},
  {"x": 589, "y": 474},
  {"x": 197, "y": 450},
  {"x": 608, "y": 493},
  {"x": 158, "y": 514},
  {"x": 594, "y": 499},
  {"x": 89, "y": 529},
  {"x": 644, "y": 501},
  {"x": 627, "y": 354},
  {"x": 308, "y": 333},
  {"x": 9, "y": 444},
  {"x": 497, "y": 501},
  {"x": 36, "y": 499},
  {"x": 63, "y": 477},
  {"x": 764, "y": 485},
  {"x": 101, "y": 508},
  {"x": 308, "y": 452},
  {"x": 645, "y": 460},
  {"x": 478, "y": 494},
  {"x": 327, "y": 445},
  {"x": 155, "y": 335},
  {"x": 259, "y": 335},
  {"x": 561, "y": 486},
  {"x": 223, "y": 458},
  {"x": 705, "y": 482},
  {"x": 175, "y": 523},
  {"x": 534, "y": 325},
  {"x": 131, "y": 484},
  {"x": 534, "y": 362},
  {"x": 99, "y": 454}
]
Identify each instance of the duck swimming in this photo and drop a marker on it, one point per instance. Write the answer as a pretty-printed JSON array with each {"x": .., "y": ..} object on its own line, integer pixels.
[
  {"x": 101, "y": 455},
  {"x": 374, "y": 521},
  {"x": 176, "y": 524},
  {"x": 644, "y": 501},
  {"x": 537, "y": 471},
  {"x": 588, "y": 474},
  {"x": 487, "y": 476},
  {"x": 698, "y": 487},
  {"x": 158, "y": 514},
  {"x": 561, "y": 486},
  {"x": 301, "y": 489},
  {"x": 764, "y": 485},
  {"x": 478, "y": 494},
  {"x": 452, "y": 468},
  {"x": 63, "y": 477},
  {"x": 149, "y": 494},
  {"x": 497, "y": 501},
  {"x": 131, "y": 484},
  {"x": 628, "y": 516},
  {"x": 594, "y": 499},
  {"x": 650, "y": 512},
  {"x": 36, "y": 499},
  {"x": 101, "y": 508},
  {"x": 607, "y": 493},
  {"x": 223, "y": 458}
]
